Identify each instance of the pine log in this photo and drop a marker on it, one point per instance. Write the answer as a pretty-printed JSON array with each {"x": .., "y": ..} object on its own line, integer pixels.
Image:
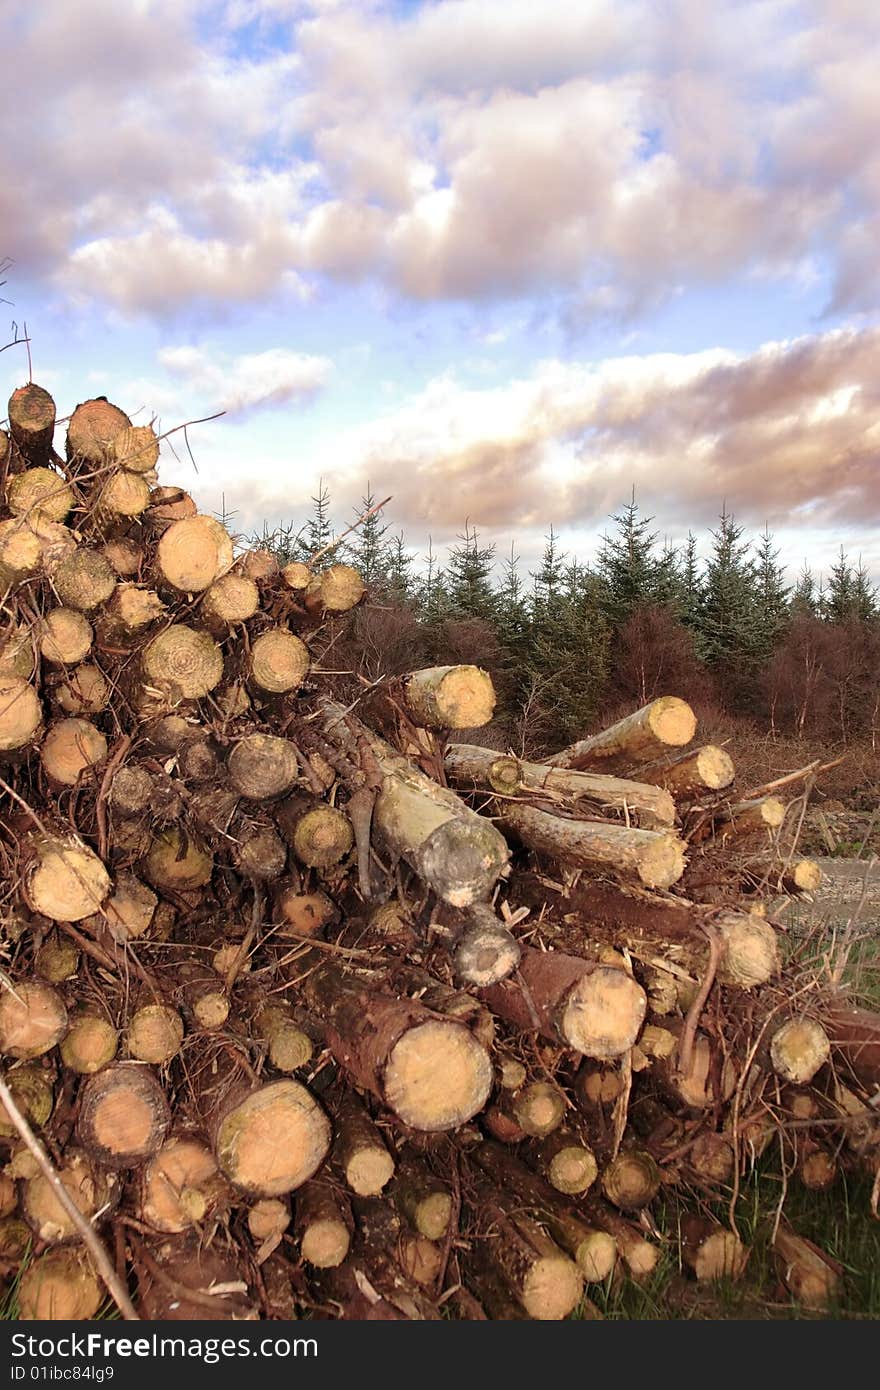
[
  {"x": 89, "y": 1044},
  {"x": 268, "y": 1219},
  {"x": 91, "y": 432},
  {"x": 320, "y": 836},
  {"x": 20, "y": 714},
  {"x": 92, "y": 1190},
  {"x": 305, "y": 914},
  {"x": 336, "y": 589},
  {"x": 262, "y": 767},
  {"x": 596, "y": 1009},
  {"x": 135, "y": 448},
  {"x": 31, "y": 413},
  {"x": 539, "y": 1276},
  {"x": 665, "y": 723},
  {"x": 631, "y": 1180},
  {"x": 469, "y": 766},
  {"x": 180, "y": 1186},
  {"x": 593, "y": 1251},
  {"x": 70, "y": 748},
  {"x": 486, "y": 952},
  {"x": 32, "y": 1019},
  {"x": 182, "y": 663},
  {"x": 83, "y": 579},
  {"x": 233, "y": 598},
  {"x": 359, "y": 1151},
  {"x": 123, "y": 1115},
  {"x": 456, "y": 852},
  {"x": 130, "y": 908},
  {"x": 288, "y": 1047},
  {"x": 177, "y": 862},
  {"x": 424, "y": 1200},
  {"x": 296, "y": 575},
  {"x": 124, "y": 556},
  {"x": 17, "y": 652},
  {"x": 322, "y": 1223},
  {"x": 656, "y": 858},
  {"x": 638, "y": 1254},
  {"x": 450, "y": 697},
  {"x": 802, "y": 876},
  {"x": 568, "y": 1164},
  {"x": 60, "y": 1285},
  {"x": 85, "y": 691},
  {"x": 759, "y": 817},
  {"x": 538, "y": 1108},
  {"x": 39, "y": 490},
  {"x": 279, "y": 662},
  {"x": 273, "y": 1140},
  {"x": 31, "y": 1090},
  {"x": 798, "y": 1049},
  {"x": 432, "y": 1072},
  {"x": 693, "y": 774},
  {"x": 67, "y": 637},
  {"x": 710, "y": 1250},
  {"x": 123, "y": 495},
  {"x": 855, "y": 1034},
  {"x": 57, "y": 960},
  {"x": 129, "y": 611},
  {"x": 816, "y": 1167},
  {"x": 193, "y": 553},
  {"x": 808, "y": 1274},
  {"x": 20, "y": 551},
  {"x": 155, "y": 1033},
  {"x": 259, "y": 565}
]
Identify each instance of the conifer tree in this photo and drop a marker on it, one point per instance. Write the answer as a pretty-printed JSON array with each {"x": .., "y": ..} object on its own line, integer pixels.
[
  {"x": 627, "y": 566},
  {"x": 728, "y": 629},
  {"x": 469, "y": 577},
  {"x": 367, "y": 549},
  {"x": 771, "y": 597},
  {"x": 318, "y": 530},
  {"x": 690, "y": 584},
  {"x": 398, "y": 576},
  {"x": 805, "y": 597}
]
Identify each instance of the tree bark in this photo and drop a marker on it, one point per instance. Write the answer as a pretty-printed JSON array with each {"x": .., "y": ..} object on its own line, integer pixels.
[{"x": 639, "y": 738}]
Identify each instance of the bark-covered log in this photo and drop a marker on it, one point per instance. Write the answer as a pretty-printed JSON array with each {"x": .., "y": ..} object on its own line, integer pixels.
[
  {"x": 596, "y": 1009},
  {"x": 123, "y": 1115},
  {"x": 32, "y": 1019},
  {"x": 665, "y": 723},
  {"x": 31, "y": 413},
  {"x": 272, "y": 1140},
  {"x": 855, "y": 1034},
  {"x": 323, "y": 1223},
  {"x": 711, "y": 1251},
  {"x": 359, "y": 1151},
  {"x": 458, "y": 853},
  {"x": 450, "y": 697},
  {"x": 693, "y": 774},
  {"x": 431, "y": 1071},
  {"x": 807, "y": 1272},
  {"x": 469, "y": 766},
  {"x": 655, "y": 858}
]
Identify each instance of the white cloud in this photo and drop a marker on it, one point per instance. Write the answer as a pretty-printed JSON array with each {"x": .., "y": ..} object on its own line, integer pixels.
[{"x": 253, "y": 380}]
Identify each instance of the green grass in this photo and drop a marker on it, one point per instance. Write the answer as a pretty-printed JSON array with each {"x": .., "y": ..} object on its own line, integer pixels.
[{"x": 838, "y": 1221}]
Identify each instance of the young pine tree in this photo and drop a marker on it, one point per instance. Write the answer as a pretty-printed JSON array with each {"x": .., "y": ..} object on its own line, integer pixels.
[
  {"x": 367, "y": 548},
  {"x": 771, "y": 598},
  {"x": 627, "y": 566},
  {"x": 469, "y": 578},
  {"x": 728, "y": 630}
]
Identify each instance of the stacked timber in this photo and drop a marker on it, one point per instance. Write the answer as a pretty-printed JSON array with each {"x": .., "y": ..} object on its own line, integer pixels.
[{"x": 308, "y": 1005}]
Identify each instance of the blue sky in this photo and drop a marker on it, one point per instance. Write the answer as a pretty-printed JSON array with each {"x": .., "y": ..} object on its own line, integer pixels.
[{"x": 507, "y": 261}]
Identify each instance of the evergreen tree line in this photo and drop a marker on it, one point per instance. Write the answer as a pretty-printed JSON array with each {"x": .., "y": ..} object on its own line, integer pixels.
[{"x": 570, "y": 641}]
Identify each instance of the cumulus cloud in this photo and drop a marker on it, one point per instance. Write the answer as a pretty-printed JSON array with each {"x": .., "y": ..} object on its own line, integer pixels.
[
  {"x": 463, "y": 148},
  {"x": 787, "y": 434},
  {"x": 251, "y": 381}
]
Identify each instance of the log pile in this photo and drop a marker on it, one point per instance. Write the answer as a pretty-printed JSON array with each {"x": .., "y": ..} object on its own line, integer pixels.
[{"x": 307, "y": 1005}]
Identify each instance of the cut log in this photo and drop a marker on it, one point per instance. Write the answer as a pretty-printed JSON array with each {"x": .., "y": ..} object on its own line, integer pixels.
[
  {"x": 278, "y": 662},
  {"x": 569, "y": 1165},
  {"x": 89, "y": 1044},
  {"x": 451, "y": 697},
  {"x": 131, "y": 907},
  {"x": 538, "y": 1108},
  {"x": 486, "y": 952},
  {"x": 711, "y": 1251},
  {"x": 182, "y": 663},
  {"x": 92, "y": 430},
  {"x": 123, "y": 495},
  {"x": 57, "y": 960},
  {"x": 39, "y": 490},
  {"x": 193, "y": 553},
  {"x": 336, "y": 589},
  {"x": 288, "y": 1046},
  {"x": 130, "y": 610},
  {"x": 32, "y": 1019},
  {"x": 808, "y": 1274},
  {"x": 262, "y": 767},
  {"x": 180, "y": 1186},
  {"x": 665, "y": 723},
  {"x": 304, "y": 914},
  {"x": 136, "y": 449},
  {"x": 762, "y": 816},
  {"x": 123, "y": 556},
  {"x": 123, "y": 1115},
  {"x": 91, "y": 1190},
  {"x": 799, "y": 1049},
  {"x": 70, "y": 748},
  {"x": 655, "y": 858},
  {"x": 458, "y": 853},
  {"x": 547, "y": 1284},
  {"x": 359, "y": 1152},
  {"x": 802, "y": 876},
  {"x": 631, "y": 1180},
  {"x": 20, "y": 552},
  {"x": 855, "y": 1034},
  {"x": 67, "y": 637},
  {"x": 596, "y": 1009},
  {"x": 268, "y": 1219},
  {"x": 85, "y": 691},
  {"x": 231, "y": 599},
  {"x": 60, "y": 1285},
  {"x": 177, "y": 862},
  {"x": 322, "y": 1223},
  {"x": 424, "y": 1200},
  {"x": 296, "y": 575},
  {"x": 469, "y": 766},
  {"x": 17, "y": 652},
  {"x": 693, "y": 774},
  {"x": 273, "y": 1140},
  {"x": 432, "y": 1072},
  {"x": 31, "y": 1090},
  {"x": 259, "y": 565},
  {"x": 31, "y": 413},
  {"x": 83, "y": 579},
  {"x": 319, "y": 837},
  {"x": 638, "y": 1254},
  {"x": 155, "y": 1033},
  {"x": 20, "y": 714}
]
